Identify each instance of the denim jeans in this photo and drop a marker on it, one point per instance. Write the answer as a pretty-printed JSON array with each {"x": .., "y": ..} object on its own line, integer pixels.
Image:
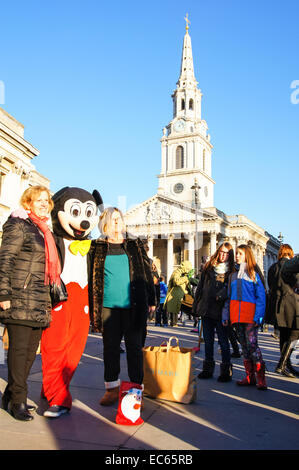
[{"x": 209, "y": 327}]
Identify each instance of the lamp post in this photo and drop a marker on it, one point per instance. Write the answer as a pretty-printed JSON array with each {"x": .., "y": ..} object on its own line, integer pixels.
[
  {"x": 280, "y": 238},
  {"x": 196, "y": 189}
]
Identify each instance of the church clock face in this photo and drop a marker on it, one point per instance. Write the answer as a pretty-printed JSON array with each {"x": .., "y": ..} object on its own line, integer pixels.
[
  {"x": 178, "y": 188},
  {"x": 179, "y": 125}
]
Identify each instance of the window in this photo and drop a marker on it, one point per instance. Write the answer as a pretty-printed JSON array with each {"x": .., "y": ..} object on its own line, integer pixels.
[
  {"x": 179, "y": 157},
  {"x": 182, "y": 104},
  {"x": 178, "y": 255},
  {"x": 178, "y": 188},
  {"x": 191, "y": 104}
]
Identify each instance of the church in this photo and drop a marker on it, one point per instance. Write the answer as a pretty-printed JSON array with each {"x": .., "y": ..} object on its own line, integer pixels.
[{"x": 181, "y": 222}]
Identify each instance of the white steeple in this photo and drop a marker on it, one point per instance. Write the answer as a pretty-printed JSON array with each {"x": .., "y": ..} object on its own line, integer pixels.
[
  {"x": 186, "y": 148},
  {"x": 187, "y": 77}
]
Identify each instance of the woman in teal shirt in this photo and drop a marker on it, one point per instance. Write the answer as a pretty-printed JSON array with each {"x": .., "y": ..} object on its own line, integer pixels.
[{"x": 122, "y": 294}]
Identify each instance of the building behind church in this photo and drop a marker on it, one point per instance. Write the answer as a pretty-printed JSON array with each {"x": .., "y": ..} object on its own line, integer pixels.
[
  {"x": 180, "y": 221},
  {"x": 17, "y": 172}
]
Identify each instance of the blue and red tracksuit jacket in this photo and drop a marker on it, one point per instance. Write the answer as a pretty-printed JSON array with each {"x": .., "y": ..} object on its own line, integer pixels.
[{"x": 246, "y": 302}]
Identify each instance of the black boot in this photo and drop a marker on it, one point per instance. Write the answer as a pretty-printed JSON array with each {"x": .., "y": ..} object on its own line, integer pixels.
[
  {"x": 283, "y": 364},
  {"x": 226, "y": 372},
  {"x": 19, "y": 411},
  {"x": 208, "y": 370},
  {"x": 290, "y": 367},
  {"x": 5, "y": 401}
]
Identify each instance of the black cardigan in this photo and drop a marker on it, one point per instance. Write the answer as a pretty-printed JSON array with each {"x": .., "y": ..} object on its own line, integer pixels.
[{"x": 142, "y": 285}]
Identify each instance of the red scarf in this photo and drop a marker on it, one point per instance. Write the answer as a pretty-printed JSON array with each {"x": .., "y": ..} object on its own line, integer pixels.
[{"x": 53, "y": 267}]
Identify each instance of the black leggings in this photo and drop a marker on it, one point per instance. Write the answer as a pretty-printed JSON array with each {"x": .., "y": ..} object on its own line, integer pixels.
[{"x": 117, "y": 323}]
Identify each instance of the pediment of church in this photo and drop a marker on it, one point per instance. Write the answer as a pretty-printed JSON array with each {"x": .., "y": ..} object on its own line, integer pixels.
[{"x": 161, "y": 209}]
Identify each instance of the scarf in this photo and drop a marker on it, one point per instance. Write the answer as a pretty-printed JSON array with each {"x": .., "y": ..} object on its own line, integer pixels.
[
  {"x": 221, "y": 268},
  {"x": 53, "y": 267},
  {"x": 242, "y": 270}
]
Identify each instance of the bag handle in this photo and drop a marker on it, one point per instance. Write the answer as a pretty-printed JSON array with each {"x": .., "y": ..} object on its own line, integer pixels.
[
  {"x": 164, "y": 343},
  {"x": 169, "y": 342}
]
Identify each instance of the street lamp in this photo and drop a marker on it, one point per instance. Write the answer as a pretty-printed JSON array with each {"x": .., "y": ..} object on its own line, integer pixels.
[
  {"x": 196, "y": 189},
  {"x": 280, "y": 238}
]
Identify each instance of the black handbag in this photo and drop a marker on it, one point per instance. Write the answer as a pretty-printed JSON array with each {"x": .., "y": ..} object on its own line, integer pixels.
[{"x": 58, "y": 293}]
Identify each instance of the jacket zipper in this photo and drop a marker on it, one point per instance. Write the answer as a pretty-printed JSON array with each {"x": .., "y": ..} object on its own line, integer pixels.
[{"x": 27, "y": 280}]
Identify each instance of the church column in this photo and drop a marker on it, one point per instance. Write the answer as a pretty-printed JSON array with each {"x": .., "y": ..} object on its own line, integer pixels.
[
  {"x": 191, "y": 252},
  {"x": 169, "y": 256},
  {"x": 213, "y": 240},
  {"x": 150, "y": 243}
]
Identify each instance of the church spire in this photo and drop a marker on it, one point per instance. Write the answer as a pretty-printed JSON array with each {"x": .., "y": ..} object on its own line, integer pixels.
[{"x": 187, "y": 78}]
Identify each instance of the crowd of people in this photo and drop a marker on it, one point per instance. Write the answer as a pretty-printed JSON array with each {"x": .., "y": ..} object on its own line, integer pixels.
[{"x": 230, "y": 298}]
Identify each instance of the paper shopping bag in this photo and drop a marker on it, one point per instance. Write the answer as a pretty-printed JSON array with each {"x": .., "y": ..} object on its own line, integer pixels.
[
  {"x": 169, "y": 372},
  {"x": 129, "y": 404}
]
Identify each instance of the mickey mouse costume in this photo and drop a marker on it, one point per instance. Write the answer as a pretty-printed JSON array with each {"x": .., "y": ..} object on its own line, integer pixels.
[{"x": 73, "y": 218}]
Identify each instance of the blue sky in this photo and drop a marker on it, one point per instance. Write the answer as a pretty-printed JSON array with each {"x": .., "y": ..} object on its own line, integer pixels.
[{"x": 92, "y": 82}]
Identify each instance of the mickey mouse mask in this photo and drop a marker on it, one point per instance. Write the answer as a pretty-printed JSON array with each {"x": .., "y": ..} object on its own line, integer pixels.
[{"x": 74, "y": 214}]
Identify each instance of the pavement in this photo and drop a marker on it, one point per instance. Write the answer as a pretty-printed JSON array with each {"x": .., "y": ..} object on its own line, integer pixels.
[{"x": 224, "y": 416}]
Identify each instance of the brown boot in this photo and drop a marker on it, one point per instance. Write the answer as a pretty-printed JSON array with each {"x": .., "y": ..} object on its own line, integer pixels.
[{"x": 110, "y": 397}]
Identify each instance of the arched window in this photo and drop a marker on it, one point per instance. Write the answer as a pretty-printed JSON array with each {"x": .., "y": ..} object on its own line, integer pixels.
[
  {"x": 179, "y": 157},
  {"x": 191, "y": 104},
  {"x": 182, "y": 104}
]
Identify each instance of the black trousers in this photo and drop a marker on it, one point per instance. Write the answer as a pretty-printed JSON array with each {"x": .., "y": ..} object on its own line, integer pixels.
[
  {"x": 117, "y": 323},
  {"x": 161, "y": 314},
  {"x": 23, "y": 344}
]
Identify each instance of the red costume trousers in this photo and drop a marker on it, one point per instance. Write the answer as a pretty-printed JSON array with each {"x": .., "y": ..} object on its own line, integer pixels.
[{"x": 62, "y": 345}]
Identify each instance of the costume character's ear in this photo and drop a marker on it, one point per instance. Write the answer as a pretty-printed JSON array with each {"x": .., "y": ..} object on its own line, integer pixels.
[{"x": 98, "y": 199}]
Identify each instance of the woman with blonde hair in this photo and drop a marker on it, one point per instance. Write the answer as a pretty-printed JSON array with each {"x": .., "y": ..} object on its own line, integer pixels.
[
  {"x": 245, "y": 309},
  {"x": 123, "y": 293},
  {"x": 209, "y": 298},
  {"x": 29, "y": 263},
  {"x": 282, "y": 309}
]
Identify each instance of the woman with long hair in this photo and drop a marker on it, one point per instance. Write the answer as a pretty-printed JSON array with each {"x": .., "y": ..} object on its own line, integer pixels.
[
  {"x": 282, "y": 311},
  {"x": 245, "y": 309},
  {"x": 209, "y": 298}
]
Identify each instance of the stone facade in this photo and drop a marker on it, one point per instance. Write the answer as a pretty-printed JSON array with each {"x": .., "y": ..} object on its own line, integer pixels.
[{"x": 17, "y": 171}]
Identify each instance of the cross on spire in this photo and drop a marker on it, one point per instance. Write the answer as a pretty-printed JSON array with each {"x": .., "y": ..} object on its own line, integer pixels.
[{"x": 187, "y": 22}]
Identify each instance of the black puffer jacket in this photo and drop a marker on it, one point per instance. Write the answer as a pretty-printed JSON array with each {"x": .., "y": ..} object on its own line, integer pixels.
[
  {"x": 210, "y": 294},
  {"x": 22, "y": 274},
  {"x": 142, "y": 284},
  {"x": 283, "y": 302}
]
